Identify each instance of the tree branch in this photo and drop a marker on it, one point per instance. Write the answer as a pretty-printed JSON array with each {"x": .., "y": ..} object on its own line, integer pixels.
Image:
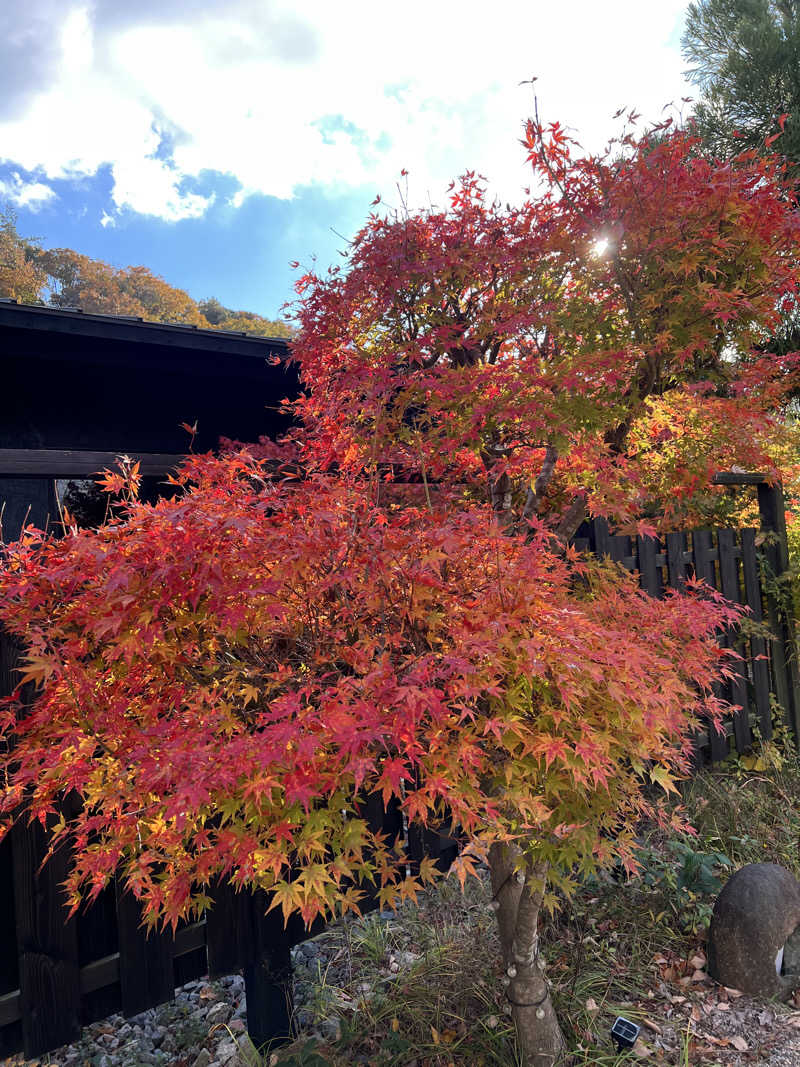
[{"x": 543, "y": 479}]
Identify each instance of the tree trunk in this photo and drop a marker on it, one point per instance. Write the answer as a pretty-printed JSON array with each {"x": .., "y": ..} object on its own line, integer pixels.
[{"x": 517, "y": 899}]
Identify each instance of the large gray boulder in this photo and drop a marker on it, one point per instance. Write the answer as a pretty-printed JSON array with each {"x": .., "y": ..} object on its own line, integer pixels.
[{"x": 754, "y": 917}]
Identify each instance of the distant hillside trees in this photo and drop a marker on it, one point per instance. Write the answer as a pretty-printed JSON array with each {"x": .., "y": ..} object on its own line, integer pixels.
[
  {"x": 63, "y": 278},
  {"x": 20, "y": 278}
]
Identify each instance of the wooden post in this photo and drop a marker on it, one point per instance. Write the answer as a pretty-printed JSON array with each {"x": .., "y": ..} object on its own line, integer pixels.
[
  {"x": 783, "y": 649},
  {"x": 49, "y": 982},
  {"x": 241, "y": 933},
  {"x": 47, "y": 944},
  {"x": 9, "y": 969},
  {"x": 268, "y": 976},
  {"x": 145, "y": 960}
]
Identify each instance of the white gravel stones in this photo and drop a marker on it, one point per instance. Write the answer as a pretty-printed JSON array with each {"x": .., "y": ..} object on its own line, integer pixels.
[
  {"x": 206, "y": 1024},
  {"x": 202, "y": 1027}
]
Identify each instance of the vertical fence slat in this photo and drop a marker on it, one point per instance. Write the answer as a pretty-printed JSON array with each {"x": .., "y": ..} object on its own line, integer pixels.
[
  {"x": 229, "y": 933},
  {"x": 620, "y": 548},
  {"x": 268, "y": 976},
  {"x": 676, "y": 564},
  {"x": 729, "y": 582},
  {"x": 601, "y": 537},
  {"x": 9, "y": 967},
  {"x": 421, "y": 843},
  {"x": 145, "y": 960},
  {"x": 758, "y": 647},
  {"x": 11, "y": 1036},
  {"x": 388, "y": 821},
  {"x": 48, "y": 945},
  {"x": 9, "y": 971},
  {"x": 97, "y": 937},
  {"x": 782, "y": 647},
  {"x": 649, "y": 571},
  {"x": 702, "y": 548},
  {"x": 437, "y": 845},
  {"x": 393, "y": 821}
]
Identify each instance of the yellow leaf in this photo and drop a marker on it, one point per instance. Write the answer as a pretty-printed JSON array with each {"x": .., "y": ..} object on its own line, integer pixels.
[
  {"x": 395, "y": 1024},
  {"x": 434, "y": 1035},
  {"x": 249, "y": 693},
  {"x": 427, "y": 870},
  {"x": 662, "y": 777}
]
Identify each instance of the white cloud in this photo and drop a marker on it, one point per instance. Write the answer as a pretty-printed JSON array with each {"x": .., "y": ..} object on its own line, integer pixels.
[
  {"x": 107, "y": 220},
  {"x": 340, "y": 95},
  {"x": 151, "y": 187},
  {"x": 31, "y": 195}
]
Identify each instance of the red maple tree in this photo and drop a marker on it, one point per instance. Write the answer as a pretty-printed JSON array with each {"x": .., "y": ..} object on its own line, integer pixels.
[{"x": 223, "y": 676}]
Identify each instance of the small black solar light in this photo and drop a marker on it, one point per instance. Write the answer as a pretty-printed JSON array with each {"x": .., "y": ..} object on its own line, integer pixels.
[{"x": 624, "y": 1033}]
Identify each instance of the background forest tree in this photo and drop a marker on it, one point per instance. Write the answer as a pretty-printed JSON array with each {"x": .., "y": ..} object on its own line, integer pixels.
[
  {"x": 745, "y": 60},
  {"x": 63, "y": 278},
  {"x": 745, "y": 57}
]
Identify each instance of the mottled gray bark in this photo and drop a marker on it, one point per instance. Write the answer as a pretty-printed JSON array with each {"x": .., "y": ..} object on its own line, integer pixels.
[{"x": 517, "y": 900}]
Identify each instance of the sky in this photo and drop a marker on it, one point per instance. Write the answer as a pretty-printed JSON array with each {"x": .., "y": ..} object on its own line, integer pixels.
[{"x": 217, "y": 141}]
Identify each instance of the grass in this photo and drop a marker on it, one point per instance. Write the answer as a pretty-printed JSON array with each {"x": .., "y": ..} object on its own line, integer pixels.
[
  {"x": 752, "y": 815},
  {"x": 616, "y": 948}
]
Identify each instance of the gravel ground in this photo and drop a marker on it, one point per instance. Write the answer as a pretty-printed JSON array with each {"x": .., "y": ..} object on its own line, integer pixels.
[{"x": 206, "y": 1024}]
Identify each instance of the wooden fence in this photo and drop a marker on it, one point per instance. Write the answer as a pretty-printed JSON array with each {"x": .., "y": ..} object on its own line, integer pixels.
[
  {"x": 745, "y": 566},
  {"x": 57, "y": 975}
]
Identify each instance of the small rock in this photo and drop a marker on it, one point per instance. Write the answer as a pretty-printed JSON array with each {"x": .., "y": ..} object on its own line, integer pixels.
[
  {"x": 330, "y": 1029},
  {"x": 218, "y": 1013},
  {"x": 226, "y": 1051},
  {"x": 169, "y": 1044},
  {"x": 405, "y": 959},
  {"x": 203, "y": 1058}
]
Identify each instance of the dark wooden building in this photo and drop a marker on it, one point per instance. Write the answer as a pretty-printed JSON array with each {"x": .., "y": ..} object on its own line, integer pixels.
[{"x": 76, "y": 390}]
